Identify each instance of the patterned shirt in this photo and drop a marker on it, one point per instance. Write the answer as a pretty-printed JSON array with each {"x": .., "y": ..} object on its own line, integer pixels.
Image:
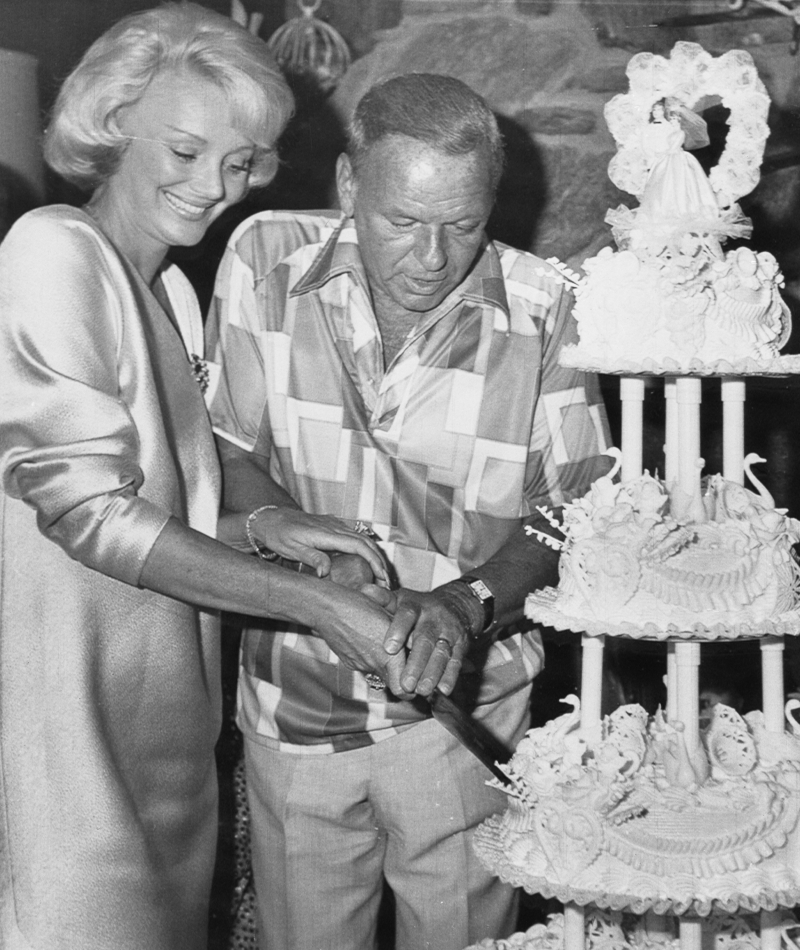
[{"x": 444, "y": 453}]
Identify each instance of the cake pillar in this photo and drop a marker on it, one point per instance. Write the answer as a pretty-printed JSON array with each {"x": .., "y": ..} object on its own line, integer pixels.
[
  {"x": 691, "y": 933},
  {"x": 772, "y": 683},
  {"x": 671, "y": 433},
  {"x": 733, "y": 396},
  {"x": 574, "y": 927},
  {"x": 687, "y": 659},
  {"x": 631, "y": 394},
  {"x": 687, "y": 504},
  {"x": 658, "y": 926},
  {"x": 770, "y": 930},
  {"x": 672, "y": 683},
  {"x": 591, "y": 688}
]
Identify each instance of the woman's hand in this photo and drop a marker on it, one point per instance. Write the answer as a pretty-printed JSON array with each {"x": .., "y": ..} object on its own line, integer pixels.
[
  {"x": 355, "y": 626},
  {"x": 298, "y": 536}
]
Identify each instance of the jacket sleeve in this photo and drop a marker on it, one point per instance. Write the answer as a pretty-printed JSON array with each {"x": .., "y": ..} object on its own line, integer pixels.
[{"x": 69, "y": 446}]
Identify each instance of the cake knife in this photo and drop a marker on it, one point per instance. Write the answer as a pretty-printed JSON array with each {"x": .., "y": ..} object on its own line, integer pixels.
[{"x": 471, "y": 734}]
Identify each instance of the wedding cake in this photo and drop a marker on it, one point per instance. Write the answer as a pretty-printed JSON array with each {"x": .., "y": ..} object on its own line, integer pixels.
[
  {"x": 669, "y": 299},
  {"x": 650, "y": 813}
]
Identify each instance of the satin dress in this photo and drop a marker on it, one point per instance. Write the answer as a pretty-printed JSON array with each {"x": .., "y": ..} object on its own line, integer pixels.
[{"x": 109, "y": 694}]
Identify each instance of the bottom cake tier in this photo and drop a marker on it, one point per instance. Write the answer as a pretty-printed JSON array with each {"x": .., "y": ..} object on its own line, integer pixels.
[
  {"x": 641, "y": 822},
  {"x": 606, "y": 930}
]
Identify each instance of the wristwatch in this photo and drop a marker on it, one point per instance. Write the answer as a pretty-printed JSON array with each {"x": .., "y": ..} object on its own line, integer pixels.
[{"x": 481, "y": 593}]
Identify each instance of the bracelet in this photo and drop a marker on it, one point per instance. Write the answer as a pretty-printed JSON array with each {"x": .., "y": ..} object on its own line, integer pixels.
[{"x": 260, "y": 549}]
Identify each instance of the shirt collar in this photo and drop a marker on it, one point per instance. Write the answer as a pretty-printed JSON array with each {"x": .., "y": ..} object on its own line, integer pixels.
[{"x": 484, "y": 285}]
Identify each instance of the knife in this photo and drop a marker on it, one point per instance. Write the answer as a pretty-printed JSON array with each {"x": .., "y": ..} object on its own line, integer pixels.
[{"x": 471, "y": 734}]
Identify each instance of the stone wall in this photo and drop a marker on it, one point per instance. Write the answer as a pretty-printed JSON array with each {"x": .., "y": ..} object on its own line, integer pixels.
[{"x": 547, "y": 67}]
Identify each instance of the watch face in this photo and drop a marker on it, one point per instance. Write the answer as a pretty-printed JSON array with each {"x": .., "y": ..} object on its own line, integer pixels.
[{"x": 480, "y": 589}]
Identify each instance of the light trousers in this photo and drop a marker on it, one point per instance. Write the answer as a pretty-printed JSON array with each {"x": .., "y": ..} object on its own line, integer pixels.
[{"x": 327, "y": 829}]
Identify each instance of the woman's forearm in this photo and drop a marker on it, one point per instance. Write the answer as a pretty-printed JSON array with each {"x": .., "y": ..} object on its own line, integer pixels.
[{"x": 192, "y": 567}]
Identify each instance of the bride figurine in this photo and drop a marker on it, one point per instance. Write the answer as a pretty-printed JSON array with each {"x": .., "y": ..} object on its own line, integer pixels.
[{"x": 678, "y": 213}]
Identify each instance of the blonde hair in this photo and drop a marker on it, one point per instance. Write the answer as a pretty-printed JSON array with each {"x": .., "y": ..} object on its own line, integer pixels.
[{"x": 83, "y": 142}]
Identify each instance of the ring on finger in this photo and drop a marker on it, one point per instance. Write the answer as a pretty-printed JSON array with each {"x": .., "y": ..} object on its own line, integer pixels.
[
  {"x": 361, "y": 527},
  {"x": 374, "y": 681},
  {"x": 448, "y": 645}
]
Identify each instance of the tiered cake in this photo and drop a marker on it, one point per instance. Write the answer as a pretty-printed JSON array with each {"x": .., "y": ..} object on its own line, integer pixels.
[{"x": 650, "y": 814}]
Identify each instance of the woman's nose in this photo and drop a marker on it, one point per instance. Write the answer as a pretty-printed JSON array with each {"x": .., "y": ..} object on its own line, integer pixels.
[{"x": 209, "y": 181}]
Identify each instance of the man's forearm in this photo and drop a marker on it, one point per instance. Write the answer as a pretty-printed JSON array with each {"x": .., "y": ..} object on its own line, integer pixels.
[
  {"x": 247, "y": 483},
  {"x": 521, "y": 565}
]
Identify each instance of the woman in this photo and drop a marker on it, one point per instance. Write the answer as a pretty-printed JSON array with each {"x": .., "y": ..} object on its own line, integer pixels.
[{"x": 110, "y": 575}]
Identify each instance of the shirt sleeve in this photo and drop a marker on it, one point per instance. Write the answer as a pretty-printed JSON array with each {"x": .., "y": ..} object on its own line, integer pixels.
[
  {"x": 570, "y": 429},
  {"x": 68, "y": 443},
  {"x": 234, "y": 343}
]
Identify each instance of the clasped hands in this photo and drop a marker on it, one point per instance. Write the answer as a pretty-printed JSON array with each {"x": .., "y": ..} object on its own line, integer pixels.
[
  {"x": 427, "y": 636},
  {"x": 419, "y": 640}
]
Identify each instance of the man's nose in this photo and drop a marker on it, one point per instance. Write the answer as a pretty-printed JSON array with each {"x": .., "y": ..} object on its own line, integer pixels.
[{"x": 431, "y": 249}]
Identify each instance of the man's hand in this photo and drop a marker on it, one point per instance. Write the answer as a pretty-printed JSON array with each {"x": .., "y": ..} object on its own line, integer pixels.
[
  {"x": 438, "y": 632},
  {"x": 352, "y": 571}
]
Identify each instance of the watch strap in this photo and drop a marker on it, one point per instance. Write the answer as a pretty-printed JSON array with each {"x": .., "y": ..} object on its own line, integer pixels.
[{"x": 480, "y": 591}]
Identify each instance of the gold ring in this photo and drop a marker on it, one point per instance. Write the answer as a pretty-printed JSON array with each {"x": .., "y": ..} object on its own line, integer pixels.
[{"x": 445, "y": 642}]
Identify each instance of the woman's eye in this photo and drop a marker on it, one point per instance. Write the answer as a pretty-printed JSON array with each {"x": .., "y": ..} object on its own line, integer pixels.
[
  {"x": 184, "y": 156},
  {"x": 241, "y": 168}
]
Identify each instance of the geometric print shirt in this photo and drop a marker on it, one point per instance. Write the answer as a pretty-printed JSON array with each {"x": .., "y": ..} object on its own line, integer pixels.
[{"x": 444, "y": 453}]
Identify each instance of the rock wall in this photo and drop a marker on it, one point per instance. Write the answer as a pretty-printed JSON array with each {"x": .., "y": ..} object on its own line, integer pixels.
[{"x": 547, "y": 68}]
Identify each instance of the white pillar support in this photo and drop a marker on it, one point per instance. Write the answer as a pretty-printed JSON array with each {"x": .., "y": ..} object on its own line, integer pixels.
[
  {"x": 671, "y": 433},
  {"x": 772, "y": 683},
  {"x": 672, "y": 683},
  {"x": 691, "y": 933},
  {"x": 591, "y": 687},
  {"x": 733, "y": 396},
  {"x": 770, "y": 930},
  {"x": 687, "y": 661},
  {"x": 574, "y": 927},
  {"x": 686, "y": 499},
  {"x": 631, "y": 394}
]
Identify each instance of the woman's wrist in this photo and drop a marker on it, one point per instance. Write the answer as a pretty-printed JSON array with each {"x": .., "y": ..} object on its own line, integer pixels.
[{"x": 256, "y": 545}]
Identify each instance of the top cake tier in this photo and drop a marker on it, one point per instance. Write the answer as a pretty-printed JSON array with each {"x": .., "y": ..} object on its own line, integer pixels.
[{"x": 669, "y": 300}]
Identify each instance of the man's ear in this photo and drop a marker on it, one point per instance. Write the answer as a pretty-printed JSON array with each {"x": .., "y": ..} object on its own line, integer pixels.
[{"x": 345, "y": 185}]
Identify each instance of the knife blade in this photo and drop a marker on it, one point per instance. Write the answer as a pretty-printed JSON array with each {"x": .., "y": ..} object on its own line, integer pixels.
[{"x": 471, "y": 734}]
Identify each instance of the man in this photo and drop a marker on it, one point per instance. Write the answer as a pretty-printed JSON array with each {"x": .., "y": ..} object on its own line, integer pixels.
[{"x": 390, "y": 365}]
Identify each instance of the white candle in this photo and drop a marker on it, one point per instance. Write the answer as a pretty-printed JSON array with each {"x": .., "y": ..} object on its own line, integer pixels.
[
  {"x": 733, "y": 396},
  {"x": 631, "y": 394}
]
